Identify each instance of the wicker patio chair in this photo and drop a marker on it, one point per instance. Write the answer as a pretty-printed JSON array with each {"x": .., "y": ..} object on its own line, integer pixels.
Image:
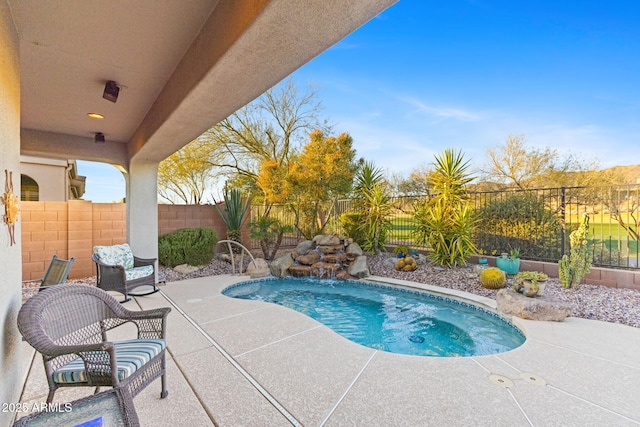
[
  {"x": 113, "y": 407},
  {"x": 117, "y": 269},
  {"x": 68, "y": 325}
]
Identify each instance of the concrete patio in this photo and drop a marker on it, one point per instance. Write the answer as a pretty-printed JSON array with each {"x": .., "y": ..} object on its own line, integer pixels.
[{"x": 248, "y": 363}]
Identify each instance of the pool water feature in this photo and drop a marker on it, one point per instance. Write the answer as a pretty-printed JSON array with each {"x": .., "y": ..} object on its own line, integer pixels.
[{"x": 390, "y": 319}]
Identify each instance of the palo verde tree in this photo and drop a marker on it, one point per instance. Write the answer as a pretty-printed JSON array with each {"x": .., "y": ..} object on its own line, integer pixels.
[
  {"x": 445, "y": 222},
  {"x": 185, "y": 176},
  {"x": 270, "y": 129}
]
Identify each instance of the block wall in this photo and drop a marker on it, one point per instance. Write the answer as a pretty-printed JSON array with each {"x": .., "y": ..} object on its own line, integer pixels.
[{"x": 73, "y": 228}]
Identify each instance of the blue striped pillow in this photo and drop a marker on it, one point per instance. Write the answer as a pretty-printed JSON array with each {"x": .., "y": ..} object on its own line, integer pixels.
[{"x": 131, "y": 355}]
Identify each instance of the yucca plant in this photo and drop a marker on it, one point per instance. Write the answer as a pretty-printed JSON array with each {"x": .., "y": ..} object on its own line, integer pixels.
[
  {"x": 446, "y": 222},
  {"x": 233, "y": 214},
  {"x": 375, "y": 207}
]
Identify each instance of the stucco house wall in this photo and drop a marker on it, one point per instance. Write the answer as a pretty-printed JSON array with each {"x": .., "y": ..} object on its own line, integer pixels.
[
  {"x": 57, "y": 180},
  {"x": 10, "y": 255}
]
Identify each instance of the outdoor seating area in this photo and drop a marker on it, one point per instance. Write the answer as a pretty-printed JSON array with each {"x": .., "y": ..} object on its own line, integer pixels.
[
  {"x": 236, "y": 362},
  {"x": 70, "y": 326}
]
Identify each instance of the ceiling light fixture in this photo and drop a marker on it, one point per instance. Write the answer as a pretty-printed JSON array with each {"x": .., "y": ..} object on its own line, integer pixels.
[
  {"x": 95, "y": 115},
  {"x": 111, "y": 90},
  {"x": 99, "y": 138}
]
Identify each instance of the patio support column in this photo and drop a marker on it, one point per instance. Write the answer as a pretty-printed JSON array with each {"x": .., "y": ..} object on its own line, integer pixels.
[
  {"x": 142, "y": 208},
  {"x": 11, "y": 372}
]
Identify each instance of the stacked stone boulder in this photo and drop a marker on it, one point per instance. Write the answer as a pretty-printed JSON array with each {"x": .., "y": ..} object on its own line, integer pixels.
[{"x": 326, "y": 256}]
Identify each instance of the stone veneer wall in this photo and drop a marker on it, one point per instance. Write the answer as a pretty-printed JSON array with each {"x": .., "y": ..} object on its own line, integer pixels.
[{"x": 72, "y": 229}]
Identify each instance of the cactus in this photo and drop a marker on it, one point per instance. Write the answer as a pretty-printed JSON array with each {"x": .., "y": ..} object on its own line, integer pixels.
[
  {"x": 574, "y": 267},
  {"x": 493, "y": 278},
  {"x": 406, "y": 264}
]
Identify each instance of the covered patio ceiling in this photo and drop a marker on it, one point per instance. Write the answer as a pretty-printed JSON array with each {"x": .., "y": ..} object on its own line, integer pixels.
[{"x": 182, "y": 66}]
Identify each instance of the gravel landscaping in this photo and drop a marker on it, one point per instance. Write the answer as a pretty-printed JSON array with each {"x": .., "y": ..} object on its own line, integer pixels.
[{"x": 588, "y": 301}]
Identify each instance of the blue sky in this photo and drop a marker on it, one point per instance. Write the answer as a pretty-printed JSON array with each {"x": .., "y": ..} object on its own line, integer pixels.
[{"x": 428, "y": 75}]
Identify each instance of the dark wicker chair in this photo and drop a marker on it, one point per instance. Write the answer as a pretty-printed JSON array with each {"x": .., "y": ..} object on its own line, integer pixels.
[
  {"x": 68, "y": 325},
  {"x": 117, "y": 269}
]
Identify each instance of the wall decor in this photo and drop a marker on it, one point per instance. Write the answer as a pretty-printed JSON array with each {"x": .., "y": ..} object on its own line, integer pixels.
[{"x": 11, "y": 209}]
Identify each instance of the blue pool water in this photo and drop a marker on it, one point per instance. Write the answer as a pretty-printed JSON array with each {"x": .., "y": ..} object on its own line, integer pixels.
[{"x": 389, "y": 319}]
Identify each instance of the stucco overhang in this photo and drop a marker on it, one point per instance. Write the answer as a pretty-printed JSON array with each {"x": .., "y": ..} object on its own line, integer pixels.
[{"x": 183, "y": 66}]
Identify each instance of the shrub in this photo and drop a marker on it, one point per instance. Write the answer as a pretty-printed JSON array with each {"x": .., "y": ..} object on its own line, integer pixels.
[
  {"x": 350, "y": 222},
  {"x": 193, "y": 246},
  {"x": 269, "y": 231},
  {"x": 493, "y": 278},
  {"x": 520, "y": 220}
]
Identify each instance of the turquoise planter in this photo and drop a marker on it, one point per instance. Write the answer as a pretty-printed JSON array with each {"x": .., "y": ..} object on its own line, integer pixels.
[{"x": 508, "y": 265}]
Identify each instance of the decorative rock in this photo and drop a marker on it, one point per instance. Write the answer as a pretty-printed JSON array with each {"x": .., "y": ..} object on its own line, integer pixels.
[
  {"x": 330, "y": 249},
  {"x": 540, "y": 308},
  {"x": 300, "y": 270},
  {"x": 343, "y": 275},
  {"x": 280, "y": 266},
  {"x": 259, "y": 269},
  {"x": 420, "y": 259},
  {"x": 326, "y": 240},
  {"x": 359, "y": 267},
  {"x": 308, "y": 259},
  {"x": 324, "y": 270},
  {"x": 334, "y": 258},
  {"x": 354, "y": 250},
  {"x": 303, "y": 248},
  {"x": 390, "y": 262},
  {"x": 185, "y": 268}
]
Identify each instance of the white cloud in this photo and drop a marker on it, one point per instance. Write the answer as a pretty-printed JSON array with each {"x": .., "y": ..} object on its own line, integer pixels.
[{"x": 442, "y": 113}]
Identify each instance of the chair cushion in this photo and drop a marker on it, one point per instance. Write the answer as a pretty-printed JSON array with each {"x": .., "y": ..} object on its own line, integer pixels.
[
  {"x": 115, "y": 255},
  {"x": 138, "y": 272},
  {"x": 131, "y": 355}
]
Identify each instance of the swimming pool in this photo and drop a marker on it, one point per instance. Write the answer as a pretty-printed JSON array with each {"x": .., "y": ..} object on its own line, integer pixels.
[{"x": 390, "y": 319}]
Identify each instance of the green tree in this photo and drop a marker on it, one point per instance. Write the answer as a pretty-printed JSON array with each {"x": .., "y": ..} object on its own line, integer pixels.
[
  {"x": 415, "y": 184},
  {"x": 446, "y": 221},
  {"x": 272, "y": 128},
  {"x": 269, "y": 232},
  {"x": 316, "y": 178},
  {"x": 514, "y": 164},
  {"x": 186, "y": 174}
]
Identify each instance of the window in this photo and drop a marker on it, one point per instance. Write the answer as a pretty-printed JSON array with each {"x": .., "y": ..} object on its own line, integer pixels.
[{"x": 29, "y": 191}]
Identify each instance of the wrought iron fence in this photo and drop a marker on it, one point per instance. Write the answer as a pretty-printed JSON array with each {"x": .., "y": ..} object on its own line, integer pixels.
[{"x": 538, "y": 222}]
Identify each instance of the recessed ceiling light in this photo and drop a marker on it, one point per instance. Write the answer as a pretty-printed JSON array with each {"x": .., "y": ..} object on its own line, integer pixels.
[{"x": 95, "y": 115}]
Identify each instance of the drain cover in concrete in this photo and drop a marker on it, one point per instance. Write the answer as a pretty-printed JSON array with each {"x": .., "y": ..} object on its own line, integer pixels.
[
  {"x": 500, "y": 380},
  {"x": 533, "y": 378}
]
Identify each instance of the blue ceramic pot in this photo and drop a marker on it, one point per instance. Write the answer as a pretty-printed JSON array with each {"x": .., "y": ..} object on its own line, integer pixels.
[{"x": 508, "y": 265}]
